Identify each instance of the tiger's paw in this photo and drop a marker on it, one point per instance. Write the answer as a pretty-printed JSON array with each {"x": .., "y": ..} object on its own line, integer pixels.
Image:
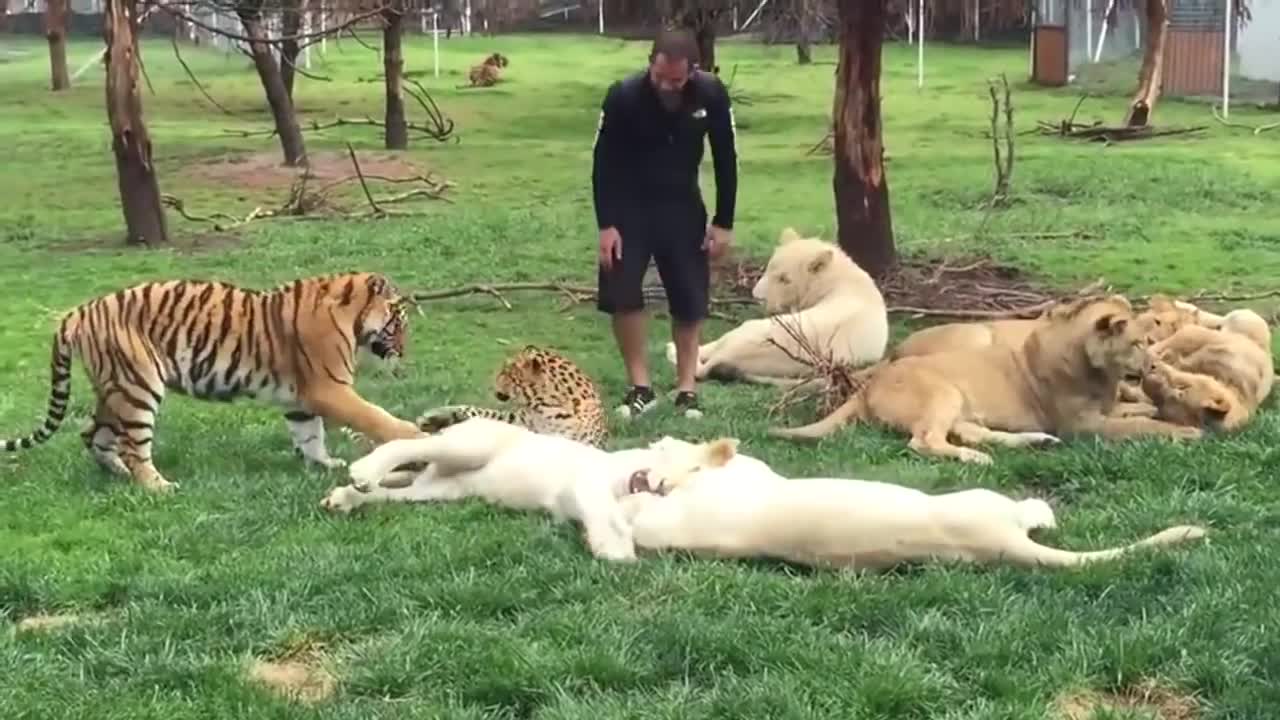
[{"x": 433, "y": 421}]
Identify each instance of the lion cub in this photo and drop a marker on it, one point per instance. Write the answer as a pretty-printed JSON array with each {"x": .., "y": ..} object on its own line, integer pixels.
[
  {"x": 1063, "y": 379},
  {"x": 1217, "y": 373}
]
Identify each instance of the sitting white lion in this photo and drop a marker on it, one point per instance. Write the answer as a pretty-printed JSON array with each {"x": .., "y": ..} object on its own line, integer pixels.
[
  {"x": 816, "y": 290},
  {"x": 511, "y": 466},
  {"x": 701, "y": 503}
]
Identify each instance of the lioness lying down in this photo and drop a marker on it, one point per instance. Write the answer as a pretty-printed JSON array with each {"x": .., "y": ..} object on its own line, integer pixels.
[
  {"x": 1162, "y": 318},
  {"x": 812, "y": 288},
  {"x": 1216, "y": 373},
  {"x": 1062, "y": 380},
  {"x": 748, "y": 511},
  {"x": 511, "y": 466}
]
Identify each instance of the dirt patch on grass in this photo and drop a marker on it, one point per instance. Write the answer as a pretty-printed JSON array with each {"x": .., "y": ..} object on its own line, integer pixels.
[
  {"x": 936, "y": 284},
  {"x": 298, "y": 673},
  {"x": 266, "y": 171},
  {"x": 46, "y": 622},
  {"x": 1147, "y": 700}
]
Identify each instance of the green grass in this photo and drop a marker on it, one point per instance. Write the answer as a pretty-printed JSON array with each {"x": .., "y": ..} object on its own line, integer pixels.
[{"x": 465, "y": 611}]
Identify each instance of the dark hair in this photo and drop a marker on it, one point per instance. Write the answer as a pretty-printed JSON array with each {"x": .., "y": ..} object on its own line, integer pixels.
[{"x": 675, "y": 44}]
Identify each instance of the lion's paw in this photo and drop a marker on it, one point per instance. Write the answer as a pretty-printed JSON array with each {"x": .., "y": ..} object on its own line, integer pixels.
[
  {"x": 969, "y": 455},
  {"x": 341, "y": 499}
]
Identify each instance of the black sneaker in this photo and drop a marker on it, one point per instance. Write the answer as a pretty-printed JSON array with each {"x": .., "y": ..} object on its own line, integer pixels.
[
  {"x": 687, "y": 404},
  {"x": 638, "y": 401}
]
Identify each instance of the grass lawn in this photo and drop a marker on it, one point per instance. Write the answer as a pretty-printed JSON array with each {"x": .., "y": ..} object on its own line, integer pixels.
[{"x": 467, "y": 611}]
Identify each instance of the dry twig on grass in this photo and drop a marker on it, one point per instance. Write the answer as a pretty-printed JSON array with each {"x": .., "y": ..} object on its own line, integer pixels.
[{"x": 1257, "y": 129}]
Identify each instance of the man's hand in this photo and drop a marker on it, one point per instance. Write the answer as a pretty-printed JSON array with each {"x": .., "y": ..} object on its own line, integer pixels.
[
  {"x": 716, "y": 241},
  {"x": 610, "y": 248}
]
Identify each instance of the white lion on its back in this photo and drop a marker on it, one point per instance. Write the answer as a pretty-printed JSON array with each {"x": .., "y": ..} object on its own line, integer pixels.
[{"x": 812, "y": 287}]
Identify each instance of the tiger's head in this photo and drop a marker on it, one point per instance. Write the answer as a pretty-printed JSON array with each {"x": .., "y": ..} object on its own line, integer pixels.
[{"x": 383, "y": 324}]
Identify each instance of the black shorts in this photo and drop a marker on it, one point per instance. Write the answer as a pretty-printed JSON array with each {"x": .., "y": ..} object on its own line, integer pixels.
[{"x": 671, "y": 235}]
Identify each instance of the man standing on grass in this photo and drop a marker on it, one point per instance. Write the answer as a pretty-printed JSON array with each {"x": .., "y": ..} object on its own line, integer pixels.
[{"x": 648, "y": 205}]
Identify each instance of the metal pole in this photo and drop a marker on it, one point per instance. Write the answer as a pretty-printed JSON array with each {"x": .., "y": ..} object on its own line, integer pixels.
[
  {"x": 1088, "y": 28},
  {"x": 601, "y": 17},
  {"x": 435, "y": 39},
  {"x": 1226, "y": 61},
  {"x": 920, "y": 46},
  {"x": 977, "y": 18}
]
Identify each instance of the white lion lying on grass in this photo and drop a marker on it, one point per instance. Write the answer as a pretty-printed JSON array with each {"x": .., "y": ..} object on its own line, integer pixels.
[
  {"x": 703, "y": 503},
  {"x": 812, "y": 288},
  {"x": 514, "y": 467}
]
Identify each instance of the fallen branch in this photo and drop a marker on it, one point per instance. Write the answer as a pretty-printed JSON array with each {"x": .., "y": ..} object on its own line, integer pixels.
[
  {"x": 363, "y": 185},
  {"x": 1257, "y": 129},
  {"x": 1097, "y": 132}
]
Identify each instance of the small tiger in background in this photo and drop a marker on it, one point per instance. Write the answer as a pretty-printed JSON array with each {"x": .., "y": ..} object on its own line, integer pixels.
[
  {"x": 487, "y": 73},
  {"x": 294, "y": 345}
]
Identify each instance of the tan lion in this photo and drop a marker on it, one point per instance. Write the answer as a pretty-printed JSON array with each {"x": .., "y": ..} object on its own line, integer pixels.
[
  {"x": 487, "y": 73},
  {"x": 1062, "y": 380},
  {"x": 812, "y": 288},
  {"x": 1218, "y": 372},
  {"x": 1162, "y": 318}
]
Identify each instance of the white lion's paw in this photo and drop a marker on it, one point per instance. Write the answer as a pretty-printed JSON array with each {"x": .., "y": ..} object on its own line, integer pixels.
[
  {"x": 341, "y": 499},
  {"x": 364, "y": 474},
  {"x": 671, "y": 353}
]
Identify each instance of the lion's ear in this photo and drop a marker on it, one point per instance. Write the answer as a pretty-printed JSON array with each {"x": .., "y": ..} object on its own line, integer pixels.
[
  {"x": 721, "y": 451},
  {"x": 821, "y": 261},
  {"x": 1160, "y": 303},
  {"x": 1111, "y": 324},
  {"x": 788, "y": 235}
]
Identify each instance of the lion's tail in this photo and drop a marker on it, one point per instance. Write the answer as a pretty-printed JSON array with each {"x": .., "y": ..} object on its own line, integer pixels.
[
  {"x": 854, "y": 408},
  {"x": 1030, "y": 553}
]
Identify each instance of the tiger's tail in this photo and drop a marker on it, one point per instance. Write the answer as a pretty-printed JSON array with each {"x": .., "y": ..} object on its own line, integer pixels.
[{"x": 59, "y": 386}]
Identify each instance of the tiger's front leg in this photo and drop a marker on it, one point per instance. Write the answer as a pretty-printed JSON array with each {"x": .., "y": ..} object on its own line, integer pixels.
[
  {"x": 307, "y": 432},
  {"x": 341, "y": 404}
]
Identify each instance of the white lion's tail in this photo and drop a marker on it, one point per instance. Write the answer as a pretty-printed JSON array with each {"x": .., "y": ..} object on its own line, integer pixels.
[{"x": 1031, "y": 553}]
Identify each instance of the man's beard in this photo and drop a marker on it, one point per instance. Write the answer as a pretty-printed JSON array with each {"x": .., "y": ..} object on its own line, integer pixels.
[{"x": 671, "y": 101}]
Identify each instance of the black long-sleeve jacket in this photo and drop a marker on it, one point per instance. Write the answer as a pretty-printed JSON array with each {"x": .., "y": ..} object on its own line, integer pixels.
[{"x": 645, "y": 153}]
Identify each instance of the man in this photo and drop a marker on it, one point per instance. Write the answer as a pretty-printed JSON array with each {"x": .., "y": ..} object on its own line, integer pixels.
[{"x": 648, "y": 206}]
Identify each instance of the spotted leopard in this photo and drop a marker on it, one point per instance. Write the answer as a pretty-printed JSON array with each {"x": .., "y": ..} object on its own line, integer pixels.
[{"x": 548, "y": 393}]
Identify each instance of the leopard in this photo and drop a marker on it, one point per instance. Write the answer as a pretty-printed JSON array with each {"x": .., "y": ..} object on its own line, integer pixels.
[{"x": 547, "y": 392}]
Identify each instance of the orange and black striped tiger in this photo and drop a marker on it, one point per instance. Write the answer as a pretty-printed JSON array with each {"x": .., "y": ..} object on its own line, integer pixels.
[{"x": 294, "y": 345}]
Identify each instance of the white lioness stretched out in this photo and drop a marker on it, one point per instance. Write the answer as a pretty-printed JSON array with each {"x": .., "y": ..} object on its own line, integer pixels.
[
  {"x": 1063, "y": 379},
  {"x": 513, "y": 467},
  {"x": 749, "y": 512},
  {"x": 814, "y": 289}
]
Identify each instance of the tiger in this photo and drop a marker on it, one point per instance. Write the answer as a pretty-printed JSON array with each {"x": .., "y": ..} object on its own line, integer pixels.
[
  {"x": 294, "y": 346},
  {"x": 548, "y": 394}
]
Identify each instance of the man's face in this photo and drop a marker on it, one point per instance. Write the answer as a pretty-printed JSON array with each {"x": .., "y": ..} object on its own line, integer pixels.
[{"x": 669, "y": 77}]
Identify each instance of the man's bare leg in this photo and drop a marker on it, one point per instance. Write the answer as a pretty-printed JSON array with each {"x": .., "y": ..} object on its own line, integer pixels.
[
  {"x": 688, "y": 338},
  {"x": 630, "y": 329}
]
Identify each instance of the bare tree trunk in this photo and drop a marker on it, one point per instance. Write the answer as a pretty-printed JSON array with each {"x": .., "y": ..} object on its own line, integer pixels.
[
  {"x": 804, "y": 30},
  {"x": 864, "y": 225},
  {"x": 1151, "y": 74},
  {"x": 397, "y": 132},
  {"x": 290, "y": 24},
  {"x": 705, "y": 32},
  {"x": 55, "y": 29},
  {"x": 139, "y": 191},
  {"x": 295, "y": 152}
]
